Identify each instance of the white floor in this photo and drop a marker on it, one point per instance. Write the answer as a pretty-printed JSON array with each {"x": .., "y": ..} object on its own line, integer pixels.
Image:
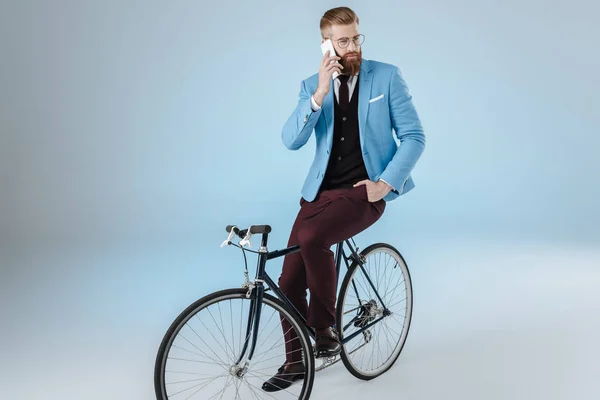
[
  {"x": 491, "y": 321},
  {"x": 506, "y": 322}
]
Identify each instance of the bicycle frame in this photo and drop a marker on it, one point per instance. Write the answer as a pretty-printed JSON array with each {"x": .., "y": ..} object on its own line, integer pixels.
[{"x": 257, "y": 290}]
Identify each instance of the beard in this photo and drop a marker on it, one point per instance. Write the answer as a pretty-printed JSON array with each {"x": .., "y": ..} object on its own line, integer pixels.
[{"x": 351, "y": 65}]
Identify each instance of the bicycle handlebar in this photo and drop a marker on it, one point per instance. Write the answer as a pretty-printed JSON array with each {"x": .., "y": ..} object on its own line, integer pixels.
[{"x": 254, "y": 229}]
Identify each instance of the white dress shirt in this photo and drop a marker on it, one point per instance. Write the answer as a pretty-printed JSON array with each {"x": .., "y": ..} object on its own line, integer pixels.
[{"x": 336, "y": 87}]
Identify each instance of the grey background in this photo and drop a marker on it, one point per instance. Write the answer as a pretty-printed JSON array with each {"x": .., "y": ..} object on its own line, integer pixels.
[{"x": 132, "y": 132}]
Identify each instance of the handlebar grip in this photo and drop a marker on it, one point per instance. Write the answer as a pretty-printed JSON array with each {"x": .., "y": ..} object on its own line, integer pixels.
[
  {"x": 260, "y": 229},
  {"x": 229, "y": 227},
  {"x": 254, "y": 229}
]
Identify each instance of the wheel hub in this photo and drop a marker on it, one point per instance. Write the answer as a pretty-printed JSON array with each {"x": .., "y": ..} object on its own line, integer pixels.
[
  {"x": 366, "y": 313},
  {"x": 238, "y": 372}
]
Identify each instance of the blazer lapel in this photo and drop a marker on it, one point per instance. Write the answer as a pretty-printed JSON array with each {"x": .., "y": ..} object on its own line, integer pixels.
[
  {"x": 329, "y": 117},
  {"x": 364, "y": 92}
]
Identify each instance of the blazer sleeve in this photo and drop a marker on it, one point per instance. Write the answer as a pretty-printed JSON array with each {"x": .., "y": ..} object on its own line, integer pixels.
[
  {"x": 300, "y": 124},
  {"x": 408, "y": 130}
]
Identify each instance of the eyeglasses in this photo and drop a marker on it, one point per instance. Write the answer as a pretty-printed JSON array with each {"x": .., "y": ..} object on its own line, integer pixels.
[{"x": 344, "y": 42}]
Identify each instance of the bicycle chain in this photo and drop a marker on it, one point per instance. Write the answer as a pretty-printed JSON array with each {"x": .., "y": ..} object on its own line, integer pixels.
[{"x": 329, "y": 361}]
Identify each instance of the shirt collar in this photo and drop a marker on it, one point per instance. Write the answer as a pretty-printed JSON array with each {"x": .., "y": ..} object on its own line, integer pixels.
[{"x": 351, "y": 77}]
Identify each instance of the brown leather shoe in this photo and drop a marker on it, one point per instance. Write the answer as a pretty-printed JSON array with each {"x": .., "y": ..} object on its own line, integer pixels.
[
  {"x": 327, "y": 343},
  {"x": 285, "y": 376}
]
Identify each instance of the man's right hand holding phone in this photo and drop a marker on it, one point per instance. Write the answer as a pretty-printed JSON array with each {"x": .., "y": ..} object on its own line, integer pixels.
[{"x": 326, "y": 70}]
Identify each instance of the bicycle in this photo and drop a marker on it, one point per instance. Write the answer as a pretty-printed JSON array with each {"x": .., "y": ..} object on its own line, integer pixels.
[{"x": 360, "y": 325}]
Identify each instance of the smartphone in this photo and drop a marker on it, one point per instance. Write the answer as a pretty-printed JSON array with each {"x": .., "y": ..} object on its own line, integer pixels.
[{"x": 327, "y": 46}]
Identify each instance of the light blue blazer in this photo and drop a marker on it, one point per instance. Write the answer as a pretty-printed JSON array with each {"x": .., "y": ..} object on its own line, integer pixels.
[{"x": 384, "y": 106}]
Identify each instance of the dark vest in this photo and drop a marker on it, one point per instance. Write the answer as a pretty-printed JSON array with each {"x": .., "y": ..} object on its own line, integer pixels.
[{"x": 346, "y": 165}]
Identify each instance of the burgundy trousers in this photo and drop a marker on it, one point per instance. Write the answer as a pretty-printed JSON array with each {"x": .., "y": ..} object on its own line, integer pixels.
[{"x": 333, "y": 216}]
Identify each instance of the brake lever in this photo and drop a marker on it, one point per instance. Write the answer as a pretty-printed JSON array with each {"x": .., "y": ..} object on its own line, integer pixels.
[
  {"x": 228, "y": 240},
  {"x": 246, "y": 239}
]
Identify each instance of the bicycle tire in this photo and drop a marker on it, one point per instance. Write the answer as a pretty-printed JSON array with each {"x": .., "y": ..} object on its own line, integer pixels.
[
  {"x": 212, "y": 298},
  {"x": 340, "y": 303}
]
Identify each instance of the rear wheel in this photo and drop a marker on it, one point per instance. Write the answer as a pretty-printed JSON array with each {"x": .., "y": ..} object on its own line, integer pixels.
[
  {"x": 198, "y": 354},
  {"x": 388, "y": 301}
]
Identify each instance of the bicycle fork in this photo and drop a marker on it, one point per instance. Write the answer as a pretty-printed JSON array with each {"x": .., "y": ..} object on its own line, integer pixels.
[{"x": 255, "y": 293}]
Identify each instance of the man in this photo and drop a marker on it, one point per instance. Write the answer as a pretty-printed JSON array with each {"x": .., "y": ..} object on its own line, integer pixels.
[{"x": 357, "y": 168}]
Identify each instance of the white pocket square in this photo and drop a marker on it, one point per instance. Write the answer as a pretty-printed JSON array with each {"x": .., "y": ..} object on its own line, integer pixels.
[{"x": 376, "y": 98}]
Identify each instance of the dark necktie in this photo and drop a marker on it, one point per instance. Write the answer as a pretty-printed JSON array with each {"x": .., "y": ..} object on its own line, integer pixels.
[{"x": 344, "y": 98}]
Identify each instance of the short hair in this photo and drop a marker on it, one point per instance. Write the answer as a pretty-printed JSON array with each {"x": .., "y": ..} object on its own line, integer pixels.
[{"x": 337, "y": 16}]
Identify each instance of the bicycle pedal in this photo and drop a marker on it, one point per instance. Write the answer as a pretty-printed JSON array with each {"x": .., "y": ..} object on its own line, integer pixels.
[
  {"x": 323, "y": 355},
  {"x": 327, "y": 362}
]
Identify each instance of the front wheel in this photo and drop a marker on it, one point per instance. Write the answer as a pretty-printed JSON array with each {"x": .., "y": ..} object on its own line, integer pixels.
[
  {"x": 199, "y": 354},
  {"x": 379, "y": 292}
]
